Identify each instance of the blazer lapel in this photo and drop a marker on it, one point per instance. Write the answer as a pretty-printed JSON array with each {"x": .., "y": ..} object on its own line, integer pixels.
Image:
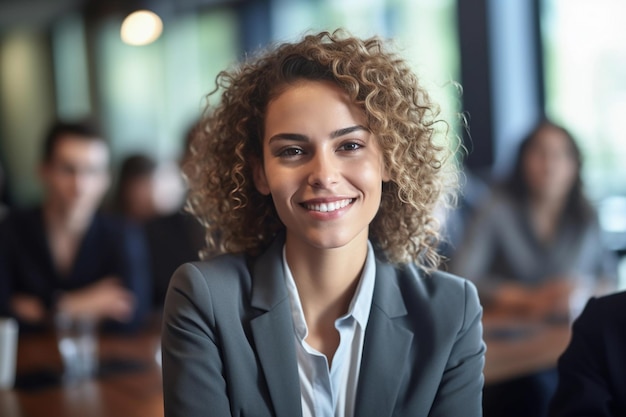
[
  {"x": 385, "y": 349},
  {"x": 273, "y": 332}
]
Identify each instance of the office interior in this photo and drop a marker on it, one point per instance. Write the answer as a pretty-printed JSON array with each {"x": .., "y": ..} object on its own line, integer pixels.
[{"x": 499, "y": 65}]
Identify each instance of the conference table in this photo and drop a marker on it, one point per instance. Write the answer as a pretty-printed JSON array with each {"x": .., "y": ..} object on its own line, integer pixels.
[
  {"x": 128, "y": 383},
  {"x": 516, "y": 348}
]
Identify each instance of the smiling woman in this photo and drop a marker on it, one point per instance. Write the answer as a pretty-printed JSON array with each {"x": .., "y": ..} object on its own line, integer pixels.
[
  {"x": 326, "y": 178},
  {"x": 316, "y": 177}
]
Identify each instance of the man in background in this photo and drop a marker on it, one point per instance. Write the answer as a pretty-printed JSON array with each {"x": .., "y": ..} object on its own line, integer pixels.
[{"x": 64, "y": 255}]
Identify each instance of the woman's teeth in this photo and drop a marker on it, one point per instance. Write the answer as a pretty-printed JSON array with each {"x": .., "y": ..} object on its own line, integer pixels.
[{"x": 326, "y": 207}]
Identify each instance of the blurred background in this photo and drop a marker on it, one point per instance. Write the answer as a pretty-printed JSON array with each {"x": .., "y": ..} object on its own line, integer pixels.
[{"x": 501, "y": 64}]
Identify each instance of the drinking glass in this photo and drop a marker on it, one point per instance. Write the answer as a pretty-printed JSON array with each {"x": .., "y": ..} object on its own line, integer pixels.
[
  {"x": 8, "y": 351},
  {"x": 77, "y": 339}
]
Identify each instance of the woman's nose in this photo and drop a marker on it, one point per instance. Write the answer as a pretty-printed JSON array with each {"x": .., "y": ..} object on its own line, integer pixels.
[{"x": 324, "y": 171}]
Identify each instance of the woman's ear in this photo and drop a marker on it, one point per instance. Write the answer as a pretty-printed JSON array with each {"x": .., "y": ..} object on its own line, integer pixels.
[
  {"x": 260, "y": 180},
  {"x": 386, "y": 176}
]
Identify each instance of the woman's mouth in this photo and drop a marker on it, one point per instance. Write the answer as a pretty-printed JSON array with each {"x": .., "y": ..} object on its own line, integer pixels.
[{"x": 330, "y": 206}]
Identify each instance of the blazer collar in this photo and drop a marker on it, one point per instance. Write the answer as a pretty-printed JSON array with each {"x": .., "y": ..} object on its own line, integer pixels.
[
  {"x": 273, "y": 331},
  {"x": 386, "y": 346},
  {"x": 387, "y": 294},
  {"x": 268, "y": 277},
  {"x": 385, "y": 349}
]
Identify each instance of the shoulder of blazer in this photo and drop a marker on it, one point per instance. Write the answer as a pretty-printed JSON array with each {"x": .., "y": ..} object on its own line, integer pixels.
[
  {"x": 439, "y": 295},
  {"x": 223, "y": 276},
  {"x": 606, "y": 311},
  {"x": 260, "y": 278},
  {"x": 431, "y": 284}
]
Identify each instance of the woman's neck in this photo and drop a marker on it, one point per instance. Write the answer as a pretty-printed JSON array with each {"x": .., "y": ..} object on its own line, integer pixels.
[
  {"x": 326, "y": 278},
  {"x": 546, "y": 215},
  {"x": 546, "y": 206}
]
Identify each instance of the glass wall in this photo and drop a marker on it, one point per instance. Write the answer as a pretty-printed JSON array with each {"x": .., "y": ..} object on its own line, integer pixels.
[
  {"x": 150, "y": 95},
  {"x": 585, "y": 63},
  {"x": 146, "y": 97},
  {"x": 424, "y": 31}
]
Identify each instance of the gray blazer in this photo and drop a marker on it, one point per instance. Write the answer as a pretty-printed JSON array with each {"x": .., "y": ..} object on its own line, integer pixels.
[{"x": 229, "y": 346}]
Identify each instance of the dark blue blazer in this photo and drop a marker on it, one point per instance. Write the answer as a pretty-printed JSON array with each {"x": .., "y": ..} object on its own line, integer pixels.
[
  {"x": 110, "y": 247},
  {"x": 229, "y": 344},
  {"x": 592, "y": 370}
]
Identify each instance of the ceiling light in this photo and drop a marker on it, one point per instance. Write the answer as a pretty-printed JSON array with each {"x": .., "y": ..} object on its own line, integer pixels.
[{"x": 141, "y": 28}]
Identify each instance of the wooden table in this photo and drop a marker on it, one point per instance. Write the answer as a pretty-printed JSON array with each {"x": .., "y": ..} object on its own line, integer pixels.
[
  {"x": 515, "y": 349},
  {"x": 130, "y": 388},
  {"x": 138, "y": 393}
]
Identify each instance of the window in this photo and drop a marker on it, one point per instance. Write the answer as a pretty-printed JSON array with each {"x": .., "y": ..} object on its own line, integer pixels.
[
  {"x": 424, "y": 32},
  {"x": 150, "y": 95},
  {"x": 585, "y": 63}
]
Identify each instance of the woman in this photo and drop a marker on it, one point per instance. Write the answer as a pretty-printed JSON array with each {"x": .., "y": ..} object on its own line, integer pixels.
[
  {"x": 136, "y": 189},
  {"x": 538, "y": 236},
  {"x": 531, "y": 249},
  {"x": 316, "y": 178}
]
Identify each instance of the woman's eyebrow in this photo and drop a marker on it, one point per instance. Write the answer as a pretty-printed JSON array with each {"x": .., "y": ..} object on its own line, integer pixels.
[
  {"x": 303, "y": 138},
  {"x": 289, "y": 136},
  {"x": 347, "y": 130}
]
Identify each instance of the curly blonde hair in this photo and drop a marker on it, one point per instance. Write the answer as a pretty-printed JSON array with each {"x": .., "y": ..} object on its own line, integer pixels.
[{"x": 399, "y": 113}]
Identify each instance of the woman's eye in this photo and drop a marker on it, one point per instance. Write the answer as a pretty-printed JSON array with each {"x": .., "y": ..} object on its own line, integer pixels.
[
  {"x": 350, "y": 146},
  {"x": 291, "y": 152}
]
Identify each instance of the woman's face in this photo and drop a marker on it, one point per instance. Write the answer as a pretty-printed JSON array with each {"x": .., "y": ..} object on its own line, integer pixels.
[
  {"x": 321, "y": 165},
  {"x": 139, "y": 195},
  {"x": 550, "y": 165}
]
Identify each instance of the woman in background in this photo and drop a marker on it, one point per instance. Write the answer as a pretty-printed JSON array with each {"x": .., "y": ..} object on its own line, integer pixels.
[
  {"x": 135, "y": 194},
  {"x": 530, "y": 248}
]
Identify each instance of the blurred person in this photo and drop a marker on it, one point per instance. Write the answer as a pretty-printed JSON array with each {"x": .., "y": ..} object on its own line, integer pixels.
[
  {"x": 4, "y": 208},
  {"x": 454, "y": 220},
  {"x": 136, "y": 189},
  {"x": 533, "y": 246},
  {"x": 321, "y": 294},
  {"x": 592, "y": 370},
  {"x": 173, "y": 238},
  {"x": 64, "y": 255}
]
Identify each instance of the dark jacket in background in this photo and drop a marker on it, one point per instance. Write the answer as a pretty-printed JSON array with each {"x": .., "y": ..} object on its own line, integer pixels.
[
  {"x": 172, "y": 241},
  {"x": 110, "y": 247},
  {"x": 592, "y": 370}
]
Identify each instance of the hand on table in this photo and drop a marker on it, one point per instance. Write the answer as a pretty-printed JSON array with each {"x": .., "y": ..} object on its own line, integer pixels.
[
  {"x": 28, "y": 308},
  {"x": 547, "y": 300},
  {"x": 105, "y": 299}
]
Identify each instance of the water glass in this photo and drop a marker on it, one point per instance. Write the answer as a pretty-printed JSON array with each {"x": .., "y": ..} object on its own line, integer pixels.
[
  {"x": 8, "y": 351},
  {"x": 77, "y": 339}
]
